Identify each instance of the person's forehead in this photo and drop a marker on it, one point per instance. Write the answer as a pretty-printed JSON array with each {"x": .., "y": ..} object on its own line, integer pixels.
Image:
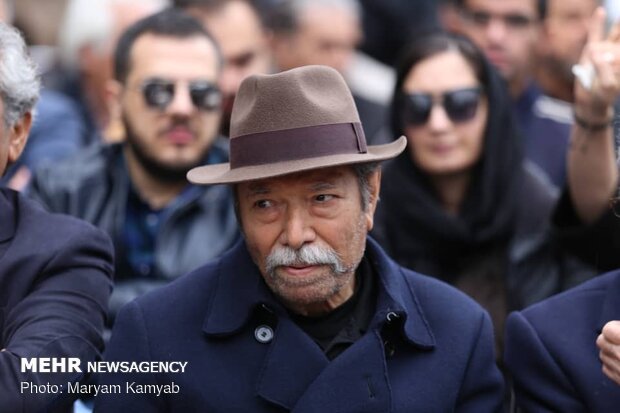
[
  {"x": 504, "y": 6},
  {"x": 176, "y": 57},
  {"x": 570, "y": 6},
  {"x": 440, "y": 72},
  {"x": 313, "y": 179},
  {"x": 236, "y": 27},
  {"x": 337, "y": 21}
]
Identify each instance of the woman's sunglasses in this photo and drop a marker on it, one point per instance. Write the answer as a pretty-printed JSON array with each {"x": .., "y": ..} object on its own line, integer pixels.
[
  {"x": 159, "y": 93},
  {"x": 460, "y": 105}
]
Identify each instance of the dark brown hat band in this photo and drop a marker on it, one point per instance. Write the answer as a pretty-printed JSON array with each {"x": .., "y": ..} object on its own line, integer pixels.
[{"x": 298, "y": 143}]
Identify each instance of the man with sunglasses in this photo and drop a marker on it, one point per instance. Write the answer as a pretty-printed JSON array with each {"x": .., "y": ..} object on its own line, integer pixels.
[
  {"x": 508, "y": 32},
  {"x": 165, "y": 90}
]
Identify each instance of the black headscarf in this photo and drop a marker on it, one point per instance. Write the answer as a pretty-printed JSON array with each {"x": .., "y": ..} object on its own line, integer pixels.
[{"x": 410, "y": 220}]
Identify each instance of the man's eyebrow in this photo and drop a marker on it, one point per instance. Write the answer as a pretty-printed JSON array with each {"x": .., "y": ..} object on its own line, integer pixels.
[
  {"x": 322, "y": 186},
  {"x": 242, "y": 59},
  {"x": 258, "y": 189}
]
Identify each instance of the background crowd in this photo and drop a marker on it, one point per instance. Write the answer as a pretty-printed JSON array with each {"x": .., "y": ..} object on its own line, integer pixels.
[{"x": 512, "y": 212}]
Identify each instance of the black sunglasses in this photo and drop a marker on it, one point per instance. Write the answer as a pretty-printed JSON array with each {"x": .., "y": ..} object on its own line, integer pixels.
[
  {"x": 460, "y": 105},
  {"x": 158, "y": 93}
]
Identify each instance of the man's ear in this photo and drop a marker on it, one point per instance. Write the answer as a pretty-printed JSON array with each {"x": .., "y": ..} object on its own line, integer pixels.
[
  {"x": 114, "y": 132},
  {"x": 18, "y": 135},
  {"x": 114, "y": 90},
  {"x": 374, "y": 184}
]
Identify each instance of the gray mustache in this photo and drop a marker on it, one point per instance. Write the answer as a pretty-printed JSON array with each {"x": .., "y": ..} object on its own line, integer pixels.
[{"x": 306, "y": 255}]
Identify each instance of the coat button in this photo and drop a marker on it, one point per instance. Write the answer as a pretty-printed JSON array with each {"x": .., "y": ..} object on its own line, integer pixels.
[
  {"x": 263, "y": 334},
  {"x": 392, "y": 316}
]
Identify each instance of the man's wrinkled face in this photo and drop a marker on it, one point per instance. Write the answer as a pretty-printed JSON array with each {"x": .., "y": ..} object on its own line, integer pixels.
[
  {"x": 167, "y": 131},
  {"x": 306, "y": 232},
  {"x": 507, "y": 32}
]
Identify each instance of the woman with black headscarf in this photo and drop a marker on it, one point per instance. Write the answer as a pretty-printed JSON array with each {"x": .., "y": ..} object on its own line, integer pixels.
[{"x": 462, "y": 204}]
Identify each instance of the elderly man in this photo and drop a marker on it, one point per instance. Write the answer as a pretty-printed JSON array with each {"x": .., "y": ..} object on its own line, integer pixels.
[
  {"x": 308, "y": 314},
  {"x": 54, "y": 270},
  {"x": 166, "y": 68}
]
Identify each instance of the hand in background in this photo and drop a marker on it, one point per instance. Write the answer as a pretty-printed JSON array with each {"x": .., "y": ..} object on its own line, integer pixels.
[{"x": 609, "y": 344}]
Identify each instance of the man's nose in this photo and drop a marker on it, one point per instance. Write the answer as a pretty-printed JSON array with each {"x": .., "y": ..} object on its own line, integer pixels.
[
  {"x": 181, "y": 104},
  {"x": 297, "y": 229},
  {"x": 496, "y": 30},
  {"x": 438, "y": 119}
]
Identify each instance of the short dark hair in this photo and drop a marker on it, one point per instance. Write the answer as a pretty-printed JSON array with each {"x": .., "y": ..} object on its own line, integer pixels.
[
  {"x": 206, "y": 4},
  {"x": 262, "y": 11},
  {"x": 283, "y": 16},
  {"x": 169, "y": 22},
  {"x": 541, "y": 7}
]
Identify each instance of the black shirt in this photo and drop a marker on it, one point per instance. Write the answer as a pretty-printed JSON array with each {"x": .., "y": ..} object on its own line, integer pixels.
[{"x": 337, "y": 330}]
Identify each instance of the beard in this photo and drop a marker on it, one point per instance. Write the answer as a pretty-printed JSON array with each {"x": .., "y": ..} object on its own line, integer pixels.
[{"x": 162, "y": 171}]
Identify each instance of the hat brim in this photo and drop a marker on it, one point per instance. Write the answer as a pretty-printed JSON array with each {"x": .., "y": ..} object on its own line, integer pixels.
[{"x": 222, "y": 174}]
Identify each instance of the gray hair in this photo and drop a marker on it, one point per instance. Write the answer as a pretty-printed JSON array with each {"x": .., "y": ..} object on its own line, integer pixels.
[
  {"x": 363, "y": 171},
  {"x": 285, "y": 16},
  {"x": 19, "y": 83},
  {"x": 91, "y": 23}
]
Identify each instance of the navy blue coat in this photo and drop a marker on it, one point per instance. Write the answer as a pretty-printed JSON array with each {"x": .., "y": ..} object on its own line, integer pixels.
[
  {"x": 551, "y": 350},
  {"x": 429, "y": 348},
  {"x": 55, "y": 280}
]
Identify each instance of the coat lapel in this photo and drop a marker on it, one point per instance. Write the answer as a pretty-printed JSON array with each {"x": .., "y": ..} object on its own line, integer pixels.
[
  {"x": 8, "y": 220},
  {"x": 355, "y": 381},
  {"x": 292, "y": 364}
]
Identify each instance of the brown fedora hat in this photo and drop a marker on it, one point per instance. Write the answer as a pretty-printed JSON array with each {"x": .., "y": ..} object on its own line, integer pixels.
[{"x": 297, "y": 120}]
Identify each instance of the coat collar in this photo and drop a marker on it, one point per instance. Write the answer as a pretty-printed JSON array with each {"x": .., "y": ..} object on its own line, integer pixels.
[
  {"x": 240, "y": 289},
  {"x": 8, "y": 220}
]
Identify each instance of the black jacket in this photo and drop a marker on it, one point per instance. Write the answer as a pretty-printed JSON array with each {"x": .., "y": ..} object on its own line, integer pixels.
[
  {"x": 55, "y": 280},
  {"x": 95, "y": 185}
]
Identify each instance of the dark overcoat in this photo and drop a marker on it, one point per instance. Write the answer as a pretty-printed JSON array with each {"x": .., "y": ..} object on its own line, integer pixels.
[
  {"x": 55, "y": 281},
  {"x": 429, "y": 348},
  {"x": 552, "y": 354}
]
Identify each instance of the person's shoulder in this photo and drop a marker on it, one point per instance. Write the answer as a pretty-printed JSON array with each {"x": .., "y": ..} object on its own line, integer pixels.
[
  {"x": 433, "y": 296},
  {"x": 92, "y": 162},
  {"x": 47, "y": 245},
  {"x": 183, "y": 298},
  {"x": 572, "y": 303},
  {"x": 37, "y": 224},
  {"x": 573, "y": 315},
  {"x": 437, "y": 299}
]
